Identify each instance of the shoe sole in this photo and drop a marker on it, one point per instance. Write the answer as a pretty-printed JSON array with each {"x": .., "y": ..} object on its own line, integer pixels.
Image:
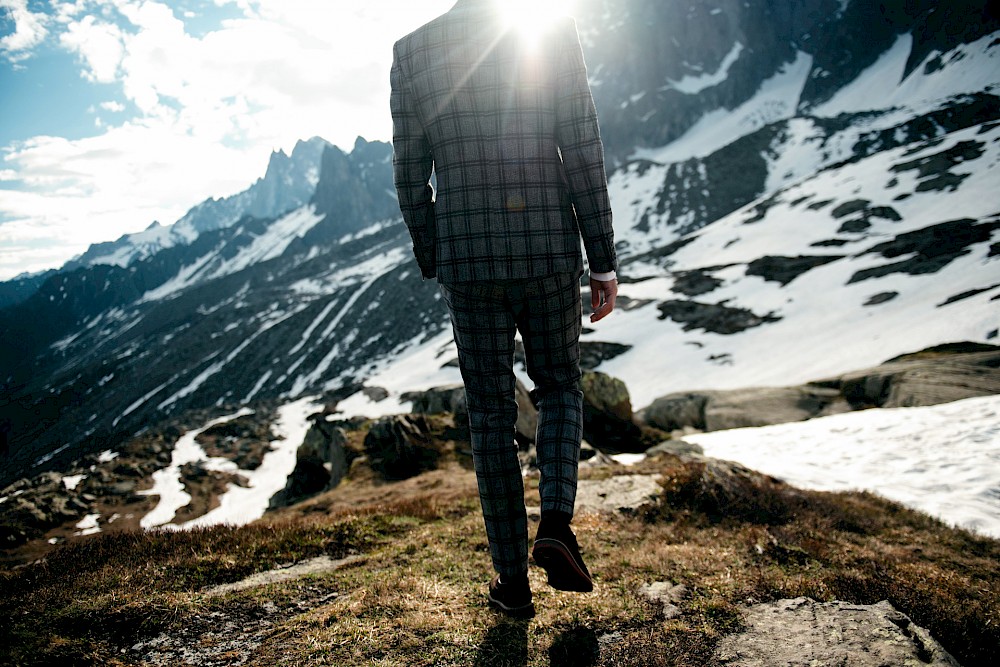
[
  {"x": 524, "y": 611},
  {"x": 565, "y": 574}
]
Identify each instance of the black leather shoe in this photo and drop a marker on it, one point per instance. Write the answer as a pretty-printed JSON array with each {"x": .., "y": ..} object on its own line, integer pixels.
[
  {"x": 557, "y": 552},
  {"x": 513, "y": 599}
]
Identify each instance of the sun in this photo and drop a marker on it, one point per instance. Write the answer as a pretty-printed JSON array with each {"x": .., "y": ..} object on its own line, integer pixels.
[{"x": 532, "y": 18}]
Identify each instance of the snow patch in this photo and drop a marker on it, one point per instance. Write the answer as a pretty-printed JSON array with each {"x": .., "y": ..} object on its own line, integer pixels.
[
  {"x": 88, "y": 525},
  {"x": 238, "y": 505},
  {"x": 692, "y": 85},
  {"x": 417, "y": 366},
  {"x": 777, "y": 99},
  {"x": 943, "y": 460},
  {"x": 969, "y": 68},
  {"x": 72, "y": 481},
  {"x": 167, "y": 481}
]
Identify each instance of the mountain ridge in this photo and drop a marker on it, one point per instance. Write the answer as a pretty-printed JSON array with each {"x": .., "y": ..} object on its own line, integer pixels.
[{"x": 326, "y": 297}]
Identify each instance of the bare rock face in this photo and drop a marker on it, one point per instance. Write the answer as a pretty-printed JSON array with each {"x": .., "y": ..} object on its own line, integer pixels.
[
  {"x": 607, "y": 414},
  {"x": 621, "y": 493},
  {"x": 806, "y": 633},
  {"x": 400, "y": 447},
  {"x": 937, "y": 375},
  {"x": 451, "y": 399},
  {"x": 926, "y": 378},
  {"x": 322, "y": 461},
  {"x": 527, "y": 416},
  {"x": 717, "y": 410}
]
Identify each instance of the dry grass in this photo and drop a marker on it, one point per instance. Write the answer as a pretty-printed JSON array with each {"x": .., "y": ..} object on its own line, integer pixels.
[{"x": 418, "y": 596}]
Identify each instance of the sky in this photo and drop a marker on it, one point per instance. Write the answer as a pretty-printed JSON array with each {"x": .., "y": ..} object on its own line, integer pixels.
[{"x": 118, "y": 113}]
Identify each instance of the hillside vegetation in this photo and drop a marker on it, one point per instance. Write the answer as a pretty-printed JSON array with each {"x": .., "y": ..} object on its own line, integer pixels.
[{"x": 404, "y": 581}]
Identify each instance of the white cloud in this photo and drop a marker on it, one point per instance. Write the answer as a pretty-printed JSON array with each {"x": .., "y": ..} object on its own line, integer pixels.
[
  {"x": 79, "y": 192},
  {"x": 211, "y": 109},
  {"x": 29, "y": 30},
  {"x": 99, "y": 45}
]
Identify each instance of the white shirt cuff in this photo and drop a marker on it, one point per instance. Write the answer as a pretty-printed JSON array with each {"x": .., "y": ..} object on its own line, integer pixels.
[{"x": 604, "y": 277}]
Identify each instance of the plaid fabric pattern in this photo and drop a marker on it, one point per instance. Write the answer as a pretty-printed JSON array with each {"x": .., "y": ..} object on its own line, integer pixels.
[
  {"x": 510, "y": 130},
  {"x": 485, "y": 315}
]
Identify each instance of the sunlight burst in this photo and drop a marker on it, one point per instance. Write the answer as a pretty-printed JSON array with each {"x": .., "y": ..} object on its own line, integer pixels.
[{"x": 532, "y": 18}]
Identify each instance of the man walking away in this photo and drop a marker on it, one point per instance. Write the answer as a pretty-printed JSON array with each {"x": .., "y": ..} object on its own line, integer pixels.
[{"x": 508, "y": 125}]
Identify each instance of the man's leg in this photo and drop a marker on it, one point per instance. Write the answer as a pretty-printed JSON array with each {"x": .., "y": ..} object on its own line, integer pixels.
[
  {"x": 484, "y": 333},
  {"x": 549, "y": 315}
]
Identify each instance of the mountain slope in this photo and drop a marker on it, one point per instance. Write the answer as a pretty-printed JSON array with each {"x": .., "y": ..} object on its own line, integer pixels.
[
  {"x": 289, "y": 182},
  {"x": 777, "y": 225}
]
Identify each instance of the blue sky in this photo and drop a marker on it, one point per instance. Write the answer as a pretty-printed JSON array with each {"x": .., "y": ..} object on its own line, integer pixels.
[{"x": 117, "y": 113}]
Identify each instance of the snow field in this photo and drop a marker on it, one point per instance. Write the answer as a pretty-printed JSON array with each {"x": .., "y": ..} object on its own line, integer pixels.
[{"x": 943, "y": 460}]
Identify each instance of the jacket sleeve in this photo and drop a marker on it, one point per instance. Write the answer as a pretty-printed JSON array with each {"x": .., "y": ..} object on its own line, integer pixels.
[
  {"x": 579, "y": 140},
  {"x": 412, "y": 163}
]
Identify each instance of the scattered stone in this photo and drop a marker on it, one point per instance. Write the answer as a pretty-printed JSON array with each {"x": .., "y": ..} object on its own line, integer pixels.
[
  {"x": 375, "y": 394},
  {"x": 676, "y": 411},
  {"x": 881, "y": 297},
  {"x": 934, "y": 171},
  {"x": 676, "y": 448},
  {"x": 451, "y": 399},
  {"x": 666, "y": 595},
  {"x": 934, "y": 376},
  {"x": 322, "y": 461},
  {"x": 317, "y": 565},
  {"x": 931, "y": 248},
  {"x": 437, "y": 400},
  {"x": 806, "y": 633},
  {"x": 966, "y": 295},
  {"x": 527, "y": 415},
  {"x": 591, "y": 457},
  {"x": 769, "y": 405},
  {"x": 621, "y": 493},
  {"x": 849, "y": 207},
  {"x": 697, "y": 281},
  {"x": 594, "y": 353},
  {"x": 918, "y": 380}
]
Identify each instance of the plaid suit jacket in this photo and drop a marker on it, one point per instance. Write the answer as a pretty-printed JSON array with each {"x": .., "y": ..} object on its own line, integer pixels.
[{"x": 508, "y": 127}]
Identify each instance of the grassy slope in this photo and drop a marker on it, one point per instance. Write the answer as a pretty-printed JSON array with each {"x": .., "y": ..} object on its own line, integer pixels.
[{"x": 417, "y": 595}]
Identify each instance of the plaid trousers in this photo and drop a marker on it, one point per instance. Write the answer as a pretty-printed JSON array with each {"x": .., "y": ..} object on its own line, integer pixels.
[{"x": 485, "y": 316}]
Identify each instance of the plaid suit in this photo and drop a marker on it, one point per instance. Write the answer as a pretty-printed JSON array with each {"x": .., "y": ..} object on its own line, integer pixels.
[{"x": 510, "y": 130}]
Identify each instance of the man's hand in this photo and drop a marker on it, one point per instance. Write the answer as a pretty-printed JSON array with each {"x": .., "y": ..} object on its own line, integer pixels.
[{"x": 602, "y": 298}]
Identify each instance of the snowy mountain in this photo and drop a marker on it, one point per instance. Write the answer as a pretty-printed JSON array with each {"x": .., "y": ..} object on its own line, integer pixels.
[
  {"x": 289, "y": 182},
  {"x": 798, "y": 192}
]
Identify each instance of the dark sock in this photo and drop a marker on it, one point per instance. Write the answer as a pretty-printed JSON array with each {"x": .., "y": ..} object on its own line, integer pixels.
[
  {"x": 520, "y": 578},
  {"x": 556, "y": 518}
]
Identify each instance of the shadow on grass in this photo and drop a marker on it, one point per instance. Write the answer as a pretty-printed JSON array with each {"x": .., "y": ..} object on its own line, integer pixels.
[
  {"x": 575, "y": 647},
  {"x": 505, "y": 645}
]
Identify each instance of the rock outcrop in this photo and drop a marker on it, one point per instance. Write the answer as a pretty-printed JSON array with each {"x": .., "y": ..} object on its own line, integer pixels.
[
  {"x": 400, "y": 446},
  {"x": 322, "y": 461},
  {"x": 607, "y": 414},
  {"x": 934, "y": 376},
  {"x": 717, "y": 410},
  {"x": 937, "y": 375},
  {"x": 451, "y": 399},
  {"x": 805, "y": 633}
]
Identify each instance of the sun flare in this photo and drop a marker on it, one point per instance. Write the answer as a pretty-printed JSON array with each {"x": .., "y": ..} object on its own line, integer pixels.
[{"x": 532, "y": 17}]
